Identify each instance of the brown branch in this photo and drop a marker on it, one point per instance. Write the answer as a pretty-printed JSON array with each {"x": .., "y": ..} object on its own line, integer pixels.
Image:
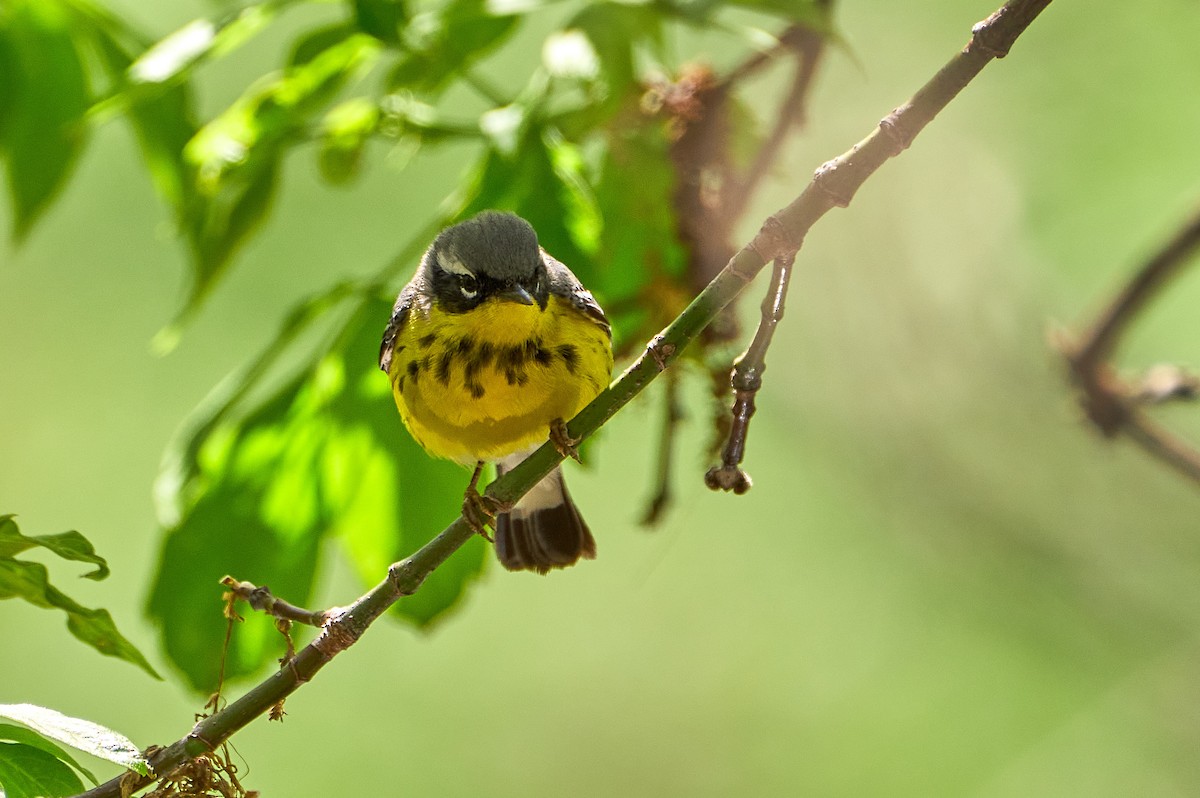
[
  {"x": 782, "y": 233},
  {"x": 665, "y": 457},
  {"x": 1100, "y": 341},
  {"x": 809, "y": 46},
  {"x": 1110, "y": 402},
  {"x": 746, "y": 380},
  {"x": 261, "y": 599},
  {"x": 710, "y": 195}
]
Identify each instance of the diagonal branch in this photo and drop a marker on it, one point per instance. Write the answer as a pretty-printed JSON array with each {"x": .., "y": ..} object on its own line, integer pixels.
[
  {"x": 1112, "y": 404},
  {"x": 782, "y": 234}
]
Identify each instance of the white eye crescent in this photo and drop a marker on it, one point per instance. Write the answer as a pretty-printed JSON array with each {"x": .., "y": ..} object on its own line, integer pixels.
[{"x": 468, "y": 285}]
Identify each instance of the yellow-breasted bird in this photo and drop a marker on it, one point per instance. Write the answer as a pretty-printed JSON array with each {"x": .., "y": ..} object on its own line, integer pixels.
[{"x": 490, "y": 347}]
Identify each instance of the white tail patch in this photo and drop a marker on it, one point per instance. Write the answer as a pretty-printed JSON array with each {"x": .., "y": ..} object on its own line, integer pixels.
[{"x": 546, "y": 494}]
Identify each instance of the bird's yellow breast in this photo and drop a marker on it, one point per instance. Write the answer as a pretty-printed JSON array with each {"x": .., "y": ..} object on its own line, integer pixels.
[{"x": 487, "y": 383}]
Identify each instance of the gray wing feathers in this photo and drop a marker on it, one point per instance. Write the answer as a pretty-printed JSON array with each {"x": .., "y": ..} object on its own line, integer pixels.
[
  {"x": 400, "y": 311},
  {"x": 564, "y": 284}
]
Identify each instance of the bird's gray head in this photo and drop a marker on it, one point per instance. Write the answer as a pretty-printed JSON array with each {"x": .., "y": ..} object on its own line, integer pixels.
[{"x": 490, "y": 256}]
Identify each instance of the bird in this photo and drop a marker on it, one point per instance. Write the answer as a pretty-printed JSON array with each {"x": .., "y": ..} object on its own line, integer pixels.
[{"x": 489, "y": 348}]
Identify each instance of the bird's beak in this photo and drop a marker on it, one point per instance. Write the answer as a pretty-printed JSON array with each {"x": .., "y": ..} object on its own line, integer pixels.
[{"x": 515, "y": 293}]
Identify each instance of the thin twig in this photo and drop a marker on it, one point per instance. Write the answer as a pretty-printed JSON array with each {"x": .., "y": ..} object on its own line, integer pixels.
[
  {"x": 1163, "y": 445},
  {"x": 665, "y": 456},
  {"x": 261, "y": 599},
  {"x": 809, "y": 46},
  {"x": 1110, "y": 402},
  {"x": 832, "y": 186},
  {"x": 1100, "y": 341},
  {"x": 746, "y": 379}
]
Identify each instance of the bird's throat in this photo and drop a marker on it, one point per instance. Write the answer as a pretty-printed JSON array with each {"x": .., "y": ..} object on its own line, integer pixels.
[{"x": 501, "y": 322}]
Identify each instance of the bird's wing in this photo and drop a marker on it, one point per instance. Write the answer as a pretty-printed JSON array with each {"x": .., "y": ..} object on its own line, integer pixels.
[
  {"x": 400, "y": 311},
  {"x": 564, "y": 284}
]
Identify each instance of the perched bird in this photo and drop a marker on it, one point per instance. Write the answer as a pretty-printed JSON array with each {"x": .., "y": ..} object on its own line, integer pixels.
[{"x": 490, "y": 347}]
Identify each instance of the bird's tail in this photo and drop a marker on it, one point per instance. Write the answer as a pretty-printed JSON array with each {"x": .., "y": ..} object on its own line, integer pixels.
[{"x": 544, "y": 529}]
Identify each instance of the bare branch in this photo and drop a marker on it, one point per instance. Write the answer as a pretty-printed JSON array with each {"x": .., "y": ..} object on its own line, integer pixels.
[
  {"x": 672, "y": 415},
  {"x": 261, "y": 599},
  {"x": 1110, "y": 402},
  {"x": 746, "y": 380}
]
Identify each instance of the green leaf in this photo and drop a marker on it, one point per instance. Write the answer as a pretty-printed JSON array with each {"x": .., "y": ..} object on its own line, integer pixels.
[
  {"x": 640, "y": 235},
  {"x": 615, "y": 31},
  {"x": 8, "y": 66},
  {"x": 325, "y": 455},
  {"x": 44, "y": 130},
  {"x": 30, "y": 581},
  {"x": 345, "y": 131},
  {"x": 383, "y": 19},
  {"x": 19, "y": 734},
  {"x": 27, "y": 771},
  {"x": 444, "y": 42},
  {"x": 176, "y": 54},
  {"x": 317, "y": 41},
  {"x": 82, "y": 735},
  {"x": 68, "y": 545},
  {"x": 162, "y": 118},
  {"x": 181, "y": 461},
  {"x": 251, "y": 512},
  {"x": 234, "y": 160}
]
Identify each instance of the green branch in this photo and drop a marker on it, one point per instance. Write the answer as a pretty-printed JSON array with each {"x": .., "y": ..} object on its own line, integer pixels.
[{"x": 833, "y": 185}]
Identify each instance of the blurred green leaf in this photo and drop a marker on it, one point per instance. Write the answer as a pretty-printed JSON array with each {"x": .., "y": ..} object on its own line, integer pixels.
[
  {"x": 162, "y": 118},
  {"x": 174, "y": 53},
  {"x": 640, "y": 235},
  {"x": 408, "y": 120},
  {"x": 443, "y": 42},
  {"x": 19, "y": 734},
  {"x": 178, "y": 52},
  {"x": 235, "y": 158},
  {"x": 30, "y": 581},
  {"x": 47, "y": 96},
  {"x": 383, "y": 19},
  {"x": 8, "y": 67},
  {"x": 68, "y": 545},
  {"x": 27, "y": 771},
  {"x": 252, "y": 513},
  {"x": 325, "y": 454},
  {"x": 316, "y": 41},
  {"x": 345, "y": 131},
  {"x": 615, "y": 31},
  {"x": 82, "y": 735}
]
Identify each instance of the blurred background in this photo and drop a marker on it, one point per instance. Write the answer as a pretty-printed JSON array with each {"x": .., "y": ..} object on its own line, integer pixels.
[{"x": 942, "y": 582}]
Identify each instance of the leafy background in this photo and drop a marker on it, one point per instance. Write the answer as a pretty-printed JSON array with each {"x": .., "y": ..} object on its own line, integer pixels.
[{"x": 940, "y": 584}]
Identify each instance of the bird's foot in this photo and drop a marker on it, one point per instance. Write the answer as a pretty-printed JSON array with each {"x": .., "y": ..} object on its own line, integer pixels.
[
  {"x": 480, "y": 510},
  {"x": 566, "y": 445}
]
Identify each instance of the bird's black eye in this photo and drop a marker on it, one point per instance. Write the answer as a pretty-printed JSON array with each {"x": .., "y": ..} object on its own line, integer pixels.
[{"x": 468, "y": 285}]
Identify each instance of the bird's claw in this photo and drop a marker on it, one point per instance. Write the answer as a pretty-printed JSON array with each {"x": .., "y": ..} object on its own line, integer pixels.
[
  {"x": 564, "y": 442},
  {"x": 480, "y": 511}
]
